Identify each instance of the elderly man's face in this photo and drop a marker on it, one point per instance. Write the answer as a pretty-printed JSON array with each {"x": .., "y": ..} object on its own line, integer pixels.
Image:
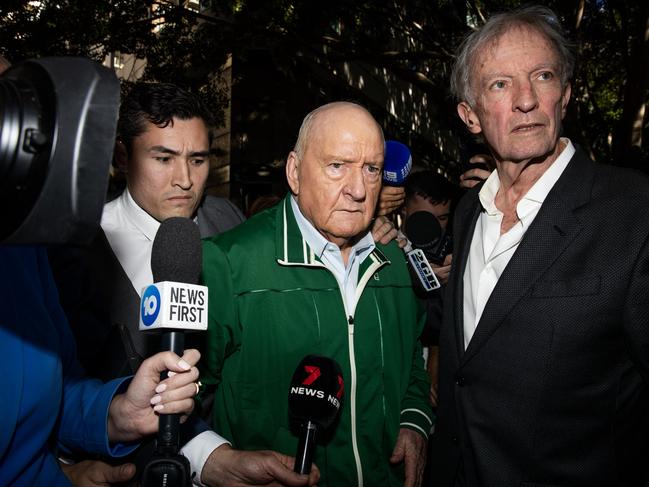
[
  {"x": 520, "y": 101},
  {"x": 337, "y": 182}
]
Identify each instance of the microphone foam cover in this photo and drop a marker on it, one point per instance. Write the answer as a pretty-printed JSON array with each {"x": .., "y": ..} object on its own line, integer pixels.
[
  {"x": 397, "y": 162},
  {"x": 177, "y": 253},
  {"x": 316, "y": 391},
  {"x": 422, "y": 229}
]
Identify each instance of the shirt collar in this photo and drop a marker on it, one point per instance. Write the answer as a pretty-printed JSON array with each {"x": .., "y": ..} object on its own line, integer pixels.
[
  {"x": 539, "y": 191},
  {"x": 318, "y": 243},
  {"x": 140, "y": 218}
]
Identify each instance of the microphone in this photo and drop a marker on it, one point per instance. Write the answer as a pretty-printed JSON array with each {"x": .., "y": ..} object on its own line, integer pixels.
[
  {"x": 425, "y": 233},
  {"x": 314, "y": 401},
  {"x": 397, "y": 163},
  {"x": 175, "y": 303}
]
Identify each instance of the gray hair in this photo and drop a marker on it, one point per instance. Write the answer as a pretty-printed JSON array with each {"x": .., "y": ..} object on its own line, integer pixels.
[
  {"x": 535, "y": 17},
  {"x": 307, "y": 124}
]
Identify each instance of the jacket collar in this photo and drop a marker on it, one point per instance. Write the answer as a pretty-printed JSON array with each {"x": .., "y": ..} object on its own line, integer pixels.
[{"x": 292, "y": 249}]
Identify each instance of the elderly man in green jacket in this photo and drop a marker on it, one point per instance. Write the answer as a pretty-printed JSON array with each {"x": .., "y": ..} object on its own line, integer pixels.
[{"x": 306, "y": 277}]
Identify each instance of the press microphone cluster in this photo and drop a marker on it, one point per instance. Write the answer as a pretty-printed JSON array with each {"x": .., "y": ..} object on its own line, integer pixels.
[
  {"x": 314, "y": 401},
  {"x": 173, "y": 305}
]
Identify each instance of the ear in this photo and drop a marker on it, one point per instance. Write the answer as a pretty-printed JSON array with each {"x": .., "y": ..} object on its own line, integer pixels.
[
  {"x": 121, "y": 157},
  {"x": 469, "y": 117},
  {"x": 565, "y": 98},
  {"x": 292, "y": 173}
]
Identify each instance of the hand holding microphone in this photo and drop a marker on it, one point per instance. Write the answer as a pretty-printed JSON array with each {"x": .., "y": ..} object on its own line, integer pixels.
[
  {"x": 175, "y": 303},
  {"x": 314, "y": 401},
  {"x": 397, "y": 163}
]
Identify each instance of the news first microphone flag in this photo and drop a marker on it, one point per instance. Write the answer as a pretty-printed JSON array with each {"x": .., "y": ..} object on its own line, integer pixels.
[
  {"x": 175, "y": 301},
  {"x": 174, "y": 305}
]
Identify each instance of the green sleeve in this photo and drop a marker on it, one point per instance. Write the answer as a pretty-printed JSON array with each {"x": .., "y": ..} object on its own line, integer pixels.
[
  {"x": 223, "y": 331},
  {"x": 416, "y": 410}
]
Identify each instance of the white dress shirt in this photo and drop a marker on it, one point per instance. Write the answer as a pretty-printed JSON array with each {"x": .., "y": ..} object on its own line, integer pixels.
[
  {"x": 490, "y": 252},
  {"x": 130, "y": 232},
  {"x": 330, "y": 255}
]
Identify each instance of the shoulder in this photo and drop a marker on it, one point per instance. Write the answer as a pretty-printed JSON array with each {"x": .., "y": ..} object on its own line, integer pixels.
[{"x": 251, "y": 234}]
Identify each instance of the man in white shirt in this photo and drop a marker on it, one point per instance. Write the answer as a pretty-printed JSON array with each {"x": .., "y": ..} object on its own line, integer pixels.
[
  {"x": 162, "y": 147},
  {"x": 544, "y": 363}
]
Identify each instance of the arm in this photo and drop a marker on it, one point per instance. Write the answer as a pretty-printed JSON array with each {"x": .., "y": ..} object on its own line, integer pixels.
[{"x": 227, "y": 466}]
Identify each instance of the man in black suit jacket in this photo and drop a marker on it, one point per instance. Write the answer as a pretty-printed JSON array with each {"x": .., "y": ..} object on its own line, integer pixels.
[
  {"x": 544, "y": 348},
  {"x": 162, "y": 148}
]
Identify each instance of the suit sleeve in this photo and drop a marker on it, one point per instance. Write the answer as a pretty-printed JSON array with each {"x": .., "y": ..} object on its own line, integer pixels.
[
  {"x": 83, "y": 420},
  {"x": 636, "y": 320}
]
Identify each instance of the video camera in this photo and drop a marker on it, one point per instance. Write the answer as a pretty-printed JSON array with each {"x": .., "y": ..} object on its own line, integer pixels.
[{"x": 59, "y": 117}]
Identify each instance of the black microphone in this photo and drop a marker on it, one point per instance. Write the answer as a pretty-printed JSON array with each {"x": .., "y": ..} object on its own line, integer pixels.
[
  {"x": 425, "y": 233},
  {"x": 175, "y": 303},
  {"x": 314, "y": 401}
]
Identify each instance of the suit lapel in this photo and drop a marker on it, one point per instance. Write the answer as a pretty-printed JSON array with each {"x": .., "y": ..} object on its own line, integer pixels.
[
  {"x": 469, "y": 218},
  {"x": 551, "y": 233}
]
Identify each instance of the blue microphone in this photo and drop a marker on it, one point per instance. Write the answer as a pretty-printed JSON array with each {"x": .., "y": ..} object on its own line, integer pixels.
[{"x": 397, "y": 163}]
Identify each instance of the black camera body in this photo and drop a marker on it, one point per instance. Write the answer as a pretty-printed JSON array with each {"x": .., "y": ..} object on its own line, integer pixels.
[{"x": 59, "y": 118}]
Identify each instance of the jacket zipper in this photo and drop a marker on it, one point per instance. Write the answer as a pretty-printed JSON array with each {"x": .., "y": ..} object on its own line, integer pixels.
[{"x": 352, "y": 393}]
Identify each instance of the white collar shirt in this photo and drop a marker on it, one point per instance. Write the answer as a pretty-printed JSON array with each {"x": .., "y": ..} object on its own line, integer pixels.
[
  {"x": 331, "y": 257},
  {"x": 490, "y": 252},
  {"x": 130, "y": 232}
]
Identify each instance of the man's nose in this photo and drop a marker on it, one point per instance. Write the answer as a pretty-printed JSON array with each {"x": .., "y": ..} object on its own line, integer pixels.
[
  {"x": 181, "y": 176},
  {"x": 525, "y": 98},
  {"x": 355, "y": 184}
]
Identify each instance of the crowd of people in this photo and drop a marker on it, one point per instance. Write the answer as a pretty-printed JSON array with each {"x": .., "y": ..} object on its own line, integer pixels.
[{"x": 529, "y": 366}]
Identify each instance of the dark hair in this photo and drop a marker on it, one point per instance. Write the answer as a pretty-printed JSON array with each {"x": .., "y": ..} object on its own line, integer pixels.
[
  {"x": 535, "y": 17},
  {"x": 432, "y": 186},
  {"x": 159, "y": 104}
]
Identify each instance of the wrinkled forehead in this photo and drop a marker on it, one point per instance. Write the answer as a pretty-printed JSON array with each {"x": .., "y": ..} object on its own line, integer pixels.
[
  {"x": 514, "y": 34},
  {"x": 347, "y": 129}
]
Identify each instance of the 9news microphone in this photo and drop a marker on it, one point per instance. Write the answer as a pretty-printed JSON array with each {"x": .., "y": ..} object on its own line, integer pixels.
[
  {"x": 397, "y": 163},
  {"x": 174, "y": 304},
  {"x": 314, "y": 401}
]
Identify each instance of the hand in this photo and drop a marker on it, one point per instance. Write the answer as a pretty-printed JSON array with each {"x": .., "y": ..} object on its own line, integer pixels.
[
  {"x": 443, "y": 271},
  {"x": 91, "y": 473},
  {"x": 475, "y": 175},
  {"x": 134, "y": 413},
  {"x": 390, "y": 198},
  {"x": 237, "y": 468},
  {"x": 432, "y": 367},
  {"x": 384, "y": 231},
  {"x": 410, "y": 449}
]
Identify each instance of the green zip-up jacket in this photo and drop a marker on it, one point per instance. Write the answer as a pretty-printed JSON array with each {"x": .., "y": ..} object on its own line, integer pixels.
[{"x": 271, "y": 302}]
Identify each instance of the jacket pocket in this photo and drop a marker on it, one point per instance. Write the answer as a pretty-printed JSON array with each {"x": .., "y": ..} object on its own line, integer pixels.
[{"x": 583, "y": 286}]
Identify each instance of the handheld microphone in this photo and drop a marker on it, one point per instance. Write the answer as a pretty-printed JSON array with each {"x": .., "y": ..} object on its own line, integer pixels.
[
  {"x": 397, "y": 163},
  {"x": 175, "y": 303},
  {"x": 314, "y": 401},
  {"x": 425, "y": 233}
]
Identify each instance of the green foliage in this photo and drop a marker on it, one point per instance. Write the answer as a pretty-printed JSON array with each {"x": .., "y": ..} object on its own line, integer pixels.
[{"x": 413, "y": 40}]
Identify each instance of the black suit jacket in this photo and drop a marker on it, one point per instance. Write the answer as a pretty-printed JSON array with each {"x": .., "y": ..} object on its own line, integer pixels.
[{"x": 553, "y": 387}]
